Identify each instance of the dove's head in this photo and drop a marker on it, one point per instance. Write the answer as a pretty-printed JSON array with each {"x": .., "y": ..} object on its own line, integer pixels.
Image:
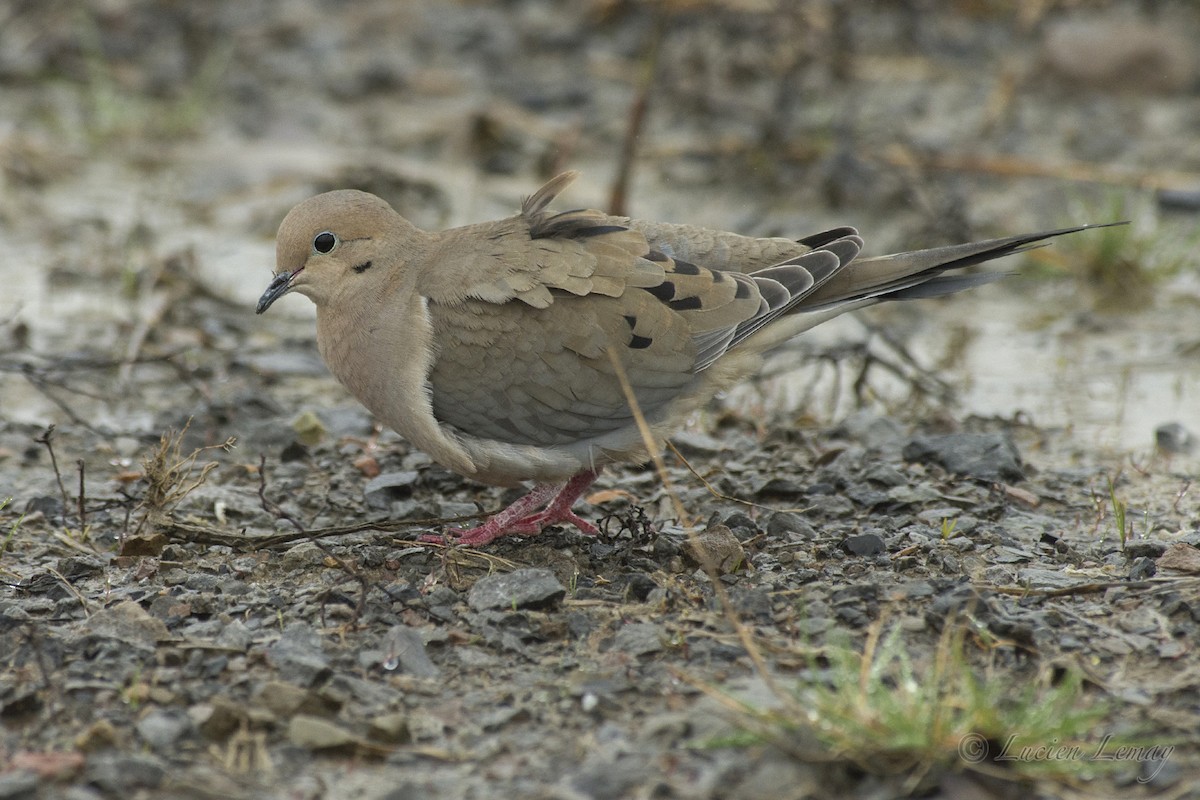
[{"x": 333, "y": 243}]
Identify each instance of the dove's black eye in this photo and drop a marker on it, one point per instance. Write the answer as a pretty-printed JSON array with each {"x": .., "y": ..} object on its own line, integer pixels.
[{"x": 324, "y": 241}]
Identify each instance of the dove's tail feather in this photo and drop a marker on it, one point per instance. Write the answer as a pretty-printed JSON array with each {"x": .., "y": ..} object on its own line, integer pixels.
[{"x": 913, "y": 275}]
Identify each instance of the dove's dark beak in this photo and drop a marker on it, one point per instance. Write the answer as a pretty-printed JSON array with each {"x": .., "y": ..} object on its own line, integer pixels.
[{"x": 280, "y": 285}]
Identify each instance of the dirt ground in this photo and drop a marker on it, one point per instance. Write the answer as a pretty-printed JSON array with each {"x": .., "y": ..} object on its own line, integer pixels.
[{"x": 935, "y": 568}]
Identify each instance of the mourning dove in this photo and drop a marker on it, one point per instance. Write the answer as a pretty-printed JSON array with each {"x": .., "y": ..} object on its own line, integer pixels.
[{"x": 490, "y": 346}]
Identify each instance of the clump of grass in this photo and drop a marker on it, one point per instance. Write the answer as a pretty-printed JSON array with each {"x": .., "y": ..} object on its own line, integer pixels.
[
  {"x": 171, "y": 476},
  {"x": 1120, "y": 513},
  {"x": 12, "y": 530},
  {"x": 948, "y": 526},
  {"x": 890, "y": 712}
]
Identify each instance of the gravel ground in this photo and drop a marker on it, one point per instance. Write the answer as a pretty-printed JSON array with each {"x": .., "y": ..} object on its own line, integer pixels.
[{"x": 212, "y": 586}]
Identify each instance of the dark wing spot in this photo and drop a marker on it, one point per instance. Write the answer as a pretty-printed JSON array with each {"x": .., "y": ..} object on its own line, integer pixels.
[
  {"x": 743, "y": 290},
  {"x": 655, "y": 255},
  {"x": 596, "y": 230},
  {"x": 639, "y": 342},
  {"x": 363, "y": 267},
  {"x": 717, "y": 275},
  {"x": 664, "y": 291},
  {"x": 825, "y": 237},
  {"x": 686, "y": 303},
  {"x": 631, "y": 320},
  {"x": 686, "y": 268},
  {"x": 570, "y": 225}
]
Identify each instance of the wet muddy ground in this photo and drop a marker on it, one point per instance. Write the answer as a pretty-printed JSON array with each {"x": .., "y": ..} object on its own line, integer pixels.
[{"x": 966, "y": 491}]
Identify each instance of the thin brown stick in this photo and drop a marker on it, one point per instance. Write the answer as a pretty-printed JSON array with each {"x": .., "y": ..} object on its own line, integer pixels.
[
  {"x": 45, "y": 439},
  {"x": 205, "y": 534},
  {"x": 619, "y": 197},
  {"x": 73, "y": 591},
  {"x": 82, "y": 496},
  {"x": 1187, "y": 484},
  {"x": 701, "y": 552},
  {"x": 270, "y": 506}
]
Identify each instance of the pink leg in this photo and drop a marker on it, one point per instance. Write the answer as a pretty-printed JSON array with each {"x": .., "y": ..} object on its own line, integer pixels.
[{"x": 518, "y": 520}]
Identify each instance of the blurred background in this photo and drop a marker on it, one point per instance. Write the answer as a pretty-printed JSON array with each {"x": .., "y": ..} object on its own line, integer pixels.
[{"x": 148, "y": 151}]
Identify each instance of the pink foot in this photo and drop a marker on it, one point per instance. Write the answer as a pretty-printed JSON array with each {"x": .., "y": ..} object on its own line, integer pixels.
[{"x": 519, "y": 518}]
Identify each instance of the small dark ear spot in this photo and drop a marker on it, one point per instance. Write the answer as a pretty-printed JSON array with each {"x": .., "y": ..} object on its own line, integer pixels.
[
  {"x": 361, "y": 268},
  {"x": 324, "y": 241}
]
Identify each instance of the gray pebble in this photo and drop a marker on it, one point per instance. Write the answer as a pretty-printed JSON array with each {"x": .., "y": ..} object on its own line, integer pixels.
[
  {"x": 120, "y": 774},
  {"x": 638, "y": 639},
  {"x": 523, "y": 588},
  {"x": 19, "y": 785},
  {"x": 162, "y": 728},
  {"x": 985, "y": 456},
  {"x": 866, "y": 544},
  {"x": 382, "y": 490},
  {"x": 299, "y": 655}
]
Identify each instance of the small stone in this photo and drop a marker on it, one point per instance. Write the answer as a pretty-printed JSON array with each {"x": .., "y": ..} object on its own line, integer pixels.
[
  {"x": 146, "y": 544},
  {"x": 638, "y": 639},
  {"x": 299, "y": 656},
  {"x": 19, "y": 784},
  {"x": 1145, "y": 548},
  {"x": 780, "y": 487},
  {"x": 885, "y": 475},
  {"x": 128, "y": 622},
  {"x": 302, "y": 556},
  {"x": 917, "y": 589},
  {"x": 281, "y": 698},
  {"x": 100, "y": 735},
  {"x": 985, "y": 456},
  {"x": 218, "y": 718},
  {"x": 390, "y": 729},
  {"x": 522, "y": 588},
  {"x": 162, "y": 729},
  {"x": 121, "y": 774},
  {"x": 717, "y": 546},
  {"x": 832, "y": 506},
  {"x": 346, "y": 421},
  {"x": 872, "y": 430},
  {"x": 235, "y": 635},
  {"x": 450, "y": 509},
  {"x": 18, "y": 702},
  {"x": 908, "y": 494},
  {"x": 382, "y": 490},
  {"x": 1142, "y": 568},
  {"x": 939, "y": 516},
  {"x": 698, "y": 444},
  {"x": 740, "y": 520},
  {"x": 315, "y": 733},
  {"x": 309, "y": 429},
  {"x": 406, "y": 652},
  {"x": 1174, "y": 438},
  {"x": 866, "y": 497},
  {"x": 865, "y": 544},
  {"x": 1045, "y": 578},
  {"x": 1182, "y": 557},
  {"x": 1172, "y": 649}
]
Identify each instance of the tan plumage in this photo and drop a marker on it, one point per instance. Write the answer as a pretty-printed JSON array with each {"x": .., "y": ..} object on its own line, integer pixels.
[{"x": 486, "y": 346}]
